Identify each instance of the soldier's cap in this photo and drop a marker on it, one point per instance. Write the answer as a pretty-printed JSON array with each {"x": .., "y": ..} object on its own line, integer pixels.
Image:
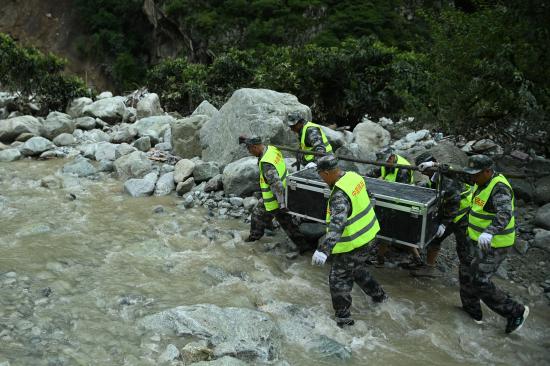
[
  {"x": 327, "y": 162},
  {"x": 477, "y": 163},
  {"x": 293, "y": 118},
  {"x": 249, "y": 140},
  {"x": 424, "y": 158},
  {"x": 384, "y": 153}
]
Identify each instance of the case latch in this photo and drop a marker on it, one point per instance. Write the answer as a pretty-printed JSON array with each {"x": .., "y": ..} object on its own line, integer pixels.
[
  {"x": 415, "y": 211},
  {"x": 292, "y": 184}
]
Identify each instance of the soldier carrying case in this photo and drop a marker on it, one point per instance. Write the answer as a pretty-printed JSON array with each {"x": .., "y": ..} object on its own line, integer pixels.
[{"x": 407, "y": 214}]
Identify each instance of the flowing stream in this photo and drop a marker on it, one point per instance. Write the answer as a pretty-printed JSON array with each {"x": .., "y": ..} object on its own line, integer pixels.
[{"x": 77, "y": 273}]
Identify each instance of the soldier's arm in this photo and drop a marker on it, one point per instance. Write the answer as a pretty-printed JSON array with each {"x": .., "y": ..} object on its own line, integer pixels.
[
  {"x": 340, "y": 207},
  {"x": 315, "y": 140},
  {"x": 501, "y": 199},
  {"x": 451, "y": 200},
  {"x": 275, "y": 184}
]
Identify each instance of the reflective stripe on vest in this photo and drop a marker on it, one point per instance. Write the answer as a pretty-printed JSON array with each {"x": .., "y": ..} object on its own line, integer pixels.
[
  {"x": 479, "y": 219},
  {"x": 362, "y": 225},
  {"x": 465, "y": 201},
  {"x": 328, "y": 147},
  {"x": 392, "y": 176},
  {"x": 274, "y": 157}
]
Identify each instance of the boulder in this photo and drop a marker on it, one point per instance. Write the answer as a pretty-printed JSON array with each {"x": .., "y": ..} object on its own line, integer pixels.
[
  {"x": 12, "y": 127},
  {"x": 10, "y": 155},
  {"x": 229, "y": 330},
  {"x": 223, "y": 361},
  {"x": 110, "y": 110},
  {"x": 143, "y": 144},
  {"x": 76, "y": 108},
  {"x": 149, "y": 106},
  {"x": 183, "y": 170},
  {"x": 163, "y": 146},
  {"x": 123, "y": 133},
  {"x": 65, "y": 139},
  {"x": 214, "y": 184},
  {"x": 446, "y": 152},
  {"x": 185, "y": 136},
  {"x": 105, "y": 151},
  {"x": 24, "y": 137},
  {"x": 124, "y": 149},
  {"x": 133, "y": 165},
  {"x": 523, "y": 189},
  {"x": 104, "y": 95},
  {"x": 417, "y": 136},
  {"x": 94, "y": 136},
  {"x": 370, "y": 136},
  {"x": 141, "y": 187},
  {"x": 205, "y": 108},
  {"x": 249, "y": 203},
  {"x": 185, "y": 186},
  {"x": 165, "y": 185},
  {"x": 542, "y": 239},
  {"x": 353, "y": 150},
  {"x": 241, "y": 177},
  {"x": 36, "y": 146},
  {"x": 257, "y": 112},
  {"x": 57, "y": 123},
  {"x": 205, "y": 170},
  {"x": 542, "y": 190},
  {"x": 80, "y": 167},
  {"x": 336, "y": 138},
  {"x": 542, "y": 219},
  {"x": 154, "y": 126}
]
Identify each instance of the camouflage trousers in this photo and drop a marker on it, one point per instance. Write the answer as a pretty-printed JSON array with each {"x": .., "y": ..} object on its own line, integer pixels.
[
  {"x": 475, "y": 272},
  {"x": 459, "y": 229},
  {"x": 346, "y": 269},
  {"x": 262, "y": 219}
]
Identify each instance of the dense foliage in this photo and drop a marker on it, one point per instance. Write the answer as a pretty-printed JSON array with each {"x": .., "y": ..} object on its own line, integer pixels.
[{"x": 36, "y": 76}]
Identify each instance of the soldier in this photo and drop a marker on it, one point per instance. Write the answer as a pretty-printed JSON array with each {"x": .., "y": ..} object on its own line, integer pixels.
[
  {"x": 491, "y": 235},
  {"x": 351, "y": 234},
  {"x": 388, "y": 155},
  {"x": 457, "y": 198},
  {"x": 311, "y": 136},
  {"x": 272, "y": 184}
]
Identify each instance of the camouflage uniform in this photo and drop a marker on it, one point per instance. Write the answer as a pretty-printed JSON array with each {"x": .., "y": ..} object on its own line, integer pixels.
[
  {"x": 315, "y": 140},
  {"x": 477, "y": 267},
  {"x": 349, "y": 267},
  {"x": 261, "y": 219}
]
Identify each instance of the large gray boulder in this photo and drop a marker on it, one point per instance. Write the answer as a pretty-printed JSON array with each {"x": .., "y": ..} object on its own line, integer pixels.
[
  {"x": 110, "y": 110},
  {"x": 149, "y": 106},
  {"x": 259, "y": 112},
  {"x": 523, "y": 189},
  {"x": 355, "y": 151},
  {"x": 185, "y": 136},
  {"x": 93, "y": 136},
  {"x": 105, "y": 151},
  {"x": 36, "y": 146},
  {"x": 542, "y": 219},
  {"x": 141, "y": 187},
  {"x": 153, "y": 127},
  {"x": 241, "y": 177},
  {"x": 446, "y": 152},
  {"x": 230, "y": 330},
  {"x": 370, "y": 136},
  {"x": 165, "y": 185},
  {"x": 79, "y": 166},
  {"x": 336, "y": 138},
  {"x": 133, "y": 165},
  {"x": 10, "y": 155},
  {"x": 12, "y": 127},
  {"x": 57, "y": 123},
  {"x": 542, "y": 239},
  {"x": 205, "y": 170},
  {"x": 205, "y": 108},
  {"x": 542, "y": 190},
  {"x": 75, "y": 109},
  {"x": 85, "y": 123},
  {"x": 183, "y": 170},
  {"x": 65, "y": 139},
  {"x": 122, "y": 133}
]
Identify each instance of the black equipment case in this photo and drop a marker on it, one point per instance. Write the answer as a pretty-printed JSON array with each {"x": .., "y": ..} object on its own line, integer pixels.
[{"x": 407, "y": 214}]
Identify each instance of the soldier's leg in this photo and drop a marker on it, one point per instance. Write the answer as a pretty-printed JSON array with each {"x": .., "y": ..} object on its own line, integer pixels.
[
  {"x": 497, "y": 300},
  {"x": 468, "y": 295},
  {"x": 432, "y": 252},
  {"x": 341, "y": 283},
  {"x": 259, "y": 220},
  {"x": 293, "y": 232},
  {"x": 362, "y": 276}
]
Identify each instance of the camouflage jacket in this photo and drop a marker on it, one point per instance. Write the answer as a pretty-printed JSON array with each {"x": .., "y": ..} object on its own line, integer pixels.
[
  {"x": 313, "y": 139},
  {"x": 275, "y": 184},
  {"x": 340, "y": 209},
  {"x": 451, "y": 196}
]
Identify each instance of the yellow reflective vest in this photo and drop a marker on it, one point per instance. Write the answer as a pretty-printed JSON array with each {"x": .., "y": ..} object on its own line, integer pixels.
[
  {"x": 466, "y": 197},
  {"x": 479, "y": 219},
  {"x": 328, "y": 147},
  {"x": 391, "y": 174},
  {"x": 274, "y": 157},
  {"x": 362, "y": 225}
]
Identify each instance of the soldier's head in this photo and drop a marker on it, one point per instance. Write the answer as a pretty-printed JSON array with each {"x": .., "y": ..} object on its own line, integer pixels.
[
  {"x": 295, "y": 120},
  {"x": 424, "y": 158},
  {"x": 327, "y": 167},
  {"x": 480, "y": 168},
  {"x": 253, "y": 144},
  {"x": 386, "y": 155}
]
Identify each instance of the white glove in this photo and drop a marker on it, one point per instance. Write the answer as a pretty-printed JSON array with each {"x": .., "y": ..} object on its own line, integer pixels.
[
  {"x": 318, "y": 258},
  {"x": 310, "y": 165},
  {"x": 440, "y": 231},
  {"x": 484, "y": 241},
  {"x": 426, "y": 165}
]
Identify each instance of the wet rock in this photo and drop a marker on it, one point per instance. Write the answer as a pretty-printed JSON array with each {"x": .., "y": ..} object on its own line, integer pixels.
[
  {"x": 143, "y": 144},
  {"x": 521, "y": 246},
  {"x": 223, "y": 361},
  {"x": 121, "y": 135},
  {"x": 141, "y": 187},
  {"x": 542, "y": 239},
  {"x": 75, "y": 109},
  {"x": 12, "y": 127},
  {"x": 185, "y": 186},
  {"x": 188, "y": 201},
  {"x": 542, "y": 219},
  {"x": 231, "y": 331},
  {"x": 110, "y": 110},
  {"x": 85, "y": 123},
  {"x": 158, "y": 209},
  {"x": 133, "y": 165},
  {"x": 36, "y": 146},
  {"x": 535, "y": 290},
  {"x": 94, "y": 136},
  {"x": 214, "y": 184},
  {"x": 236, "y": 201},
  {"x": 79, "y": 166},
  {"x": 10, "y": 155},
  {"x": 183, "y": 170},
  {"x": 149, "y": 106},
  {"x": 50, "y": 182},
  {"x": 105, "y": 151},
  {"x": 249, "y": 203},
  {"x": 124, "y": 149},
  {"x": 542, "y": 191},
  {"x": 165, "y": 184},
  {"x": 57, "y": 123},
  {"x": 64, "y": 139},
  {"x": 170, "y": 353},
  {"x": 196, "y": 351},
  {"x": 241, "y": 177}
]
